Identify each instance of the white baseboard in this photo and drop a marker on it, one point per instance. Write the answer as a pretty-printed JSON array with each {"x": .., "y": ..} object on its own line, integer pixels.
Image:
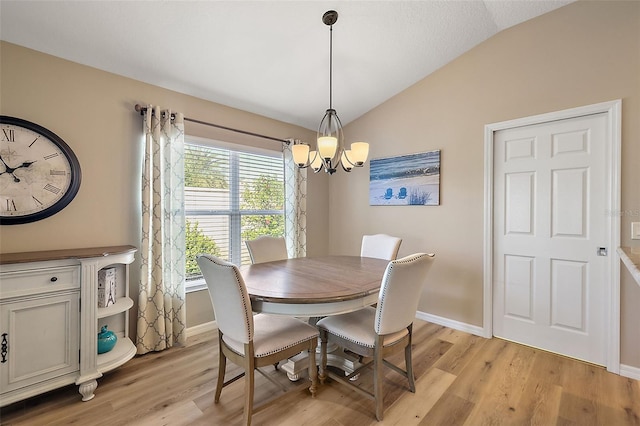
[
  {"x": 456, "y": 325},
  {"x": 202, "y": 328},
  {"x": 630, "y": 372}
]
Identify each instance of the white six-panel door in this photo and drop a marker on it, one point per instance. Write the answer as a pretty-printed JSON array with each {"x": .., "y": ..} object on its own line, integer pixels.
[{"x": 550, "y": 183}]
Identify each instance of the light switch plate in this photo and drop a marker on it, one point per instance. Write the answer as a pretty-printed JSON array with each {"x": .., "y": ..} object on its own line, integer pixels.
[{"x": 635, "y": 230}]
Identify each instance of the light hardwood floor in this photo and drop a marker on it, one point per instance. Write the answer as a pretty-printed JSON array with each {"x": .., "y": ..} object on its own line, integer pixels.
[{"x": 461, "y": 380}]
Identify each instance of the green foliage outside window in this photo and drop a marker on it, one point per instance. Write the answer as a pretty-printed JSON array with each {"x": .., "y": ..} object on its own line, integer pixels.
[
  {"x": 205, "y": 169},
  {"x": 265, "y": 193},
  {"x": 196, "y": 243}
]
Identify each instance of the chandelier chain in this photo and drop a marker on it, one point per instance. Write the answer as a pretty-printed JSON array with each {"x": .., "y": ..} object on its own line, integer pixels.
[{"x": 331, "y": 67}]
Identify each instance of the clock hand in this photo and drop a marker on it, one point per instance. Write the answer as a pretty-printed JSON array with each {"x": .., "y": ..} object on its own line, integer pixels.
[
  {"x": 11, "y": 170},
  {"x": 25, "y": 164},
  {"x": 5, "y": 165}
]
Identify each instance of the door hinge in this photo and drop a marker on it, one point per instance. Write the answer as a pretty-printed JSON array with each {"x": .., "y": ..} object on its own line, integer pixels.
[{"x": 602, "y": 251}]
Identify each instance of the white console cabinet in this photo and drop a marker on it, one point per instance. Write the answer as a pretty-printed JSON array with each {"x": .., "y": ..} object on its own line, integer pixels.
[{"x": 49, "y": 320}]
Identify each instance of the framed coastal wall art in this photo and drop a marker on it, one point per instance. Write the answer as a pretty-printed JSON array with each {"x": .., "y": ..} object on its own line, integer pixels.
[{"x": 405, "y": 180}]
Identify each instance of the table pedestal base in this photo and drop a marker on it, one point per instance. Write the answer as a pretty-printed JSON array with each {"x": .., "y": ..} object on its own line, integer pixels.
[{"x": 335, "y": 358}]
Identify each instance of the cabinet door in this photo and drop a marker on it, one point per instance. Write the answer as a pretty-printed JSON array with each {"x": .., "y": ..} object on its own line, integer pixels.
[{"x": 42, "y": 339}]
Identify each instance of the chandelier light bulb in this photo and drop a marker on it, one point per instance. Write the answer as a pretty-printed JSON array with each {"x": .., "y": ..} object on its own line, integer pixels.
[
  {"x": 345, "y": 160},
  {"x": 327, "y": 145},
  {"x": 316, "y": 161},
  {"x": 300, "y": 154},
  {"x": 360, "y": 152}
]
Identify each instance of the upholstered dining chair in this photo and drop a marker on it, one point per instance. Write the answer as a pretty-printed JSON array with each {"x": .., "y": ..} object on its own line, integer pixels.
[
  {"x": 251, "y": 341},
  {"x": 380, "y": 246},
  {"x": 267, "y": 249},
  {"x": 376, "y": 333}
]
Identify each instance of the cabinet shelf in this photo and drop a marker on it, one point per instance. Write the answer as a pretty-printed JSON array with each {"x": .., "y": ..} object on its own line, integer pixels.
[
  {"x": 122, "y": 304},
  {"x": 122, "y": 352}
]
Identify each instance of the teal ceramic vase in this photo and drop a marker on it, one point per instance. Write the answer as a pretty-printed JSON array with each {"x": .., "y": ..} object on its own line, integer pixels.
[{"x": 106, "y": 340}]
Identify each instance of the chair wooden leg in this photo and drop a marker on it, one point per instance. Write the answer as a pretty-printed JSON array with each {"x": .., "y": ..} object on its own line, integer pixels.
[
  {"x": 313, "y": 369},
  {"x": 408, "y": 363},
  {"x": 409, "y": 367},
  {"x": 377, "y": 379},
  {"x": 249, "y": 371},
  {"x": 222, "y": 365},
  {"x": 323, "y": 356}
]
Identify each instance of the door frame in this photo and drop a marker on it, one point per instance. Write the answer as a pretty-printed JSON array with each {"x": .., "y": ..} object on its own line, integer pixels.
[{"x": 612, "y": 208}]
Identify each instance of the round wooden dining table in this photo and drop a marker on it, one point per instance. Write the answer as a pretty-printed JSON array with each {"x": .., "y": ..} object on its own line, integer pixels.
[{"x": 314, "y": 286}]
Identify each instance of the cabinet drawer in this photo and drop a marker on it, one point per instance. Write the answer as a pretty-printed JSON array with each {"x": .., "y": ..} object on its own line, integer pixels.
[{"x": 32, "y": 281}]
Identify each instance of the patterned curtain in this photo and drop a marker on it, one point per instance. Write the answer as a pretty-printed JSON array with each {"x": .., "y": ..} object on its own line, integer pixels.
[
  {"x": 161, "y": 302},
  {"x": 295, "y": 199}
]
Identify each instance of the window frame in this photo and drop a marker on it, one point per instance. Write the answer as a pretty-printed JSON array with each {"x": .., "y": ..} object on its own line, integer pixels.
[{"x": 235, "y": 149}]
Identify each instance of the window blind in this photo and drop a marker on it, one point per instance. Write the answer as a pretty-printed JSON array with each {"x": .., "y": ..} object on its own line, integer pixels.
[{"x": 230, "y": 196}]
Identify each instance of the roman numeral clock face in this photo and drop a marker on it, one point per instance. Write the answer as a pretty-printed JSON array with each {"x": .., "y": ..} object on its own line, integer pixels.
[{"x": 39, "y": 173}]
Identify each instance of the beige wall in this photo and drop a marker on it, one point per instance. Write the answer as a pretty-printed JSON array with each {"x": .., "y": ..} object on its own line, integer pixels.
[
  {"x": 93, "y": 112},
  {"x": 581, "y": 54},
  {"x": 584, "y": 53}
]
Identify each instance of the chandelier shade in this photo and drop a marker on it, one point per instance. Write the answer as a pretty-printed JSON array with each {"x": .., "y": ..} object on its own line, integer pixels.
[{"x": 330, "y": 152}]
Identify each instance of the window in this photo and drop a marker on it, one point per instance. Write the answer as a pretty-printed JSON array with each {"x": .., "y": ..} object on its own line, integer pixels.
[{"x": 231, "y": 195}]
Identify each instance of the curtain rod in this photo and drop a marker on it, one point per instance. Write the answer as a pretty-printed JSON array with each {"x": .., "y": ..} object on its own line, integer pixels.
[{"x": 142, "y": 109}]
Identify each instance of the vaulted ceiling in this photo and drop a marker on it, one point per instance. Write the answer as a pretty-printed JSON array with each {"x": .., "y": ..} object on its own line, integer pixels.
[{"x": 267, "y": 57}]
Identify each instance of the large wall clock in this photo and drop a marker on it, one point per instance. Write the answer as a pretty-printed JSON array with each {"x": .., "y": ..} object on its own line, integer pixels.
[{"x": 39, "y": 173}]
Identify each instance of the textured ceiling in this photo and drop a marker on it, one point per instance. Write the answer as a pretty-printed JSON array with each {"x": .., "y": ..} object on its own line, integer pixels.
[{"x": 266, "y": 57}]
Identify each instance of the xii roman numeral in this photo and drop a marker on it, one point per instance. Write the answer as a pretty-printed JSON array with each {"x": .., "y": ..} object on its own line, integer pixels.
[{"x": 9, "y": 135}]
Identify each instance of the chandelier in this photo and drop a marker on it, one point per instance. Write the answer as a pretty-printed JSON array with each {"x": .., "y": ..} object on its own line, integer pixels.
[{"x": 330, "y": 152}]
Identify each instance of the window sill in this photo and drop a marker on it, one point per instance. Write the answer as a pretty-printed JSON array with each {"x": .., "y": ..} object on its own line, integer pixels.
[{"x": 195, "y": 285}]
